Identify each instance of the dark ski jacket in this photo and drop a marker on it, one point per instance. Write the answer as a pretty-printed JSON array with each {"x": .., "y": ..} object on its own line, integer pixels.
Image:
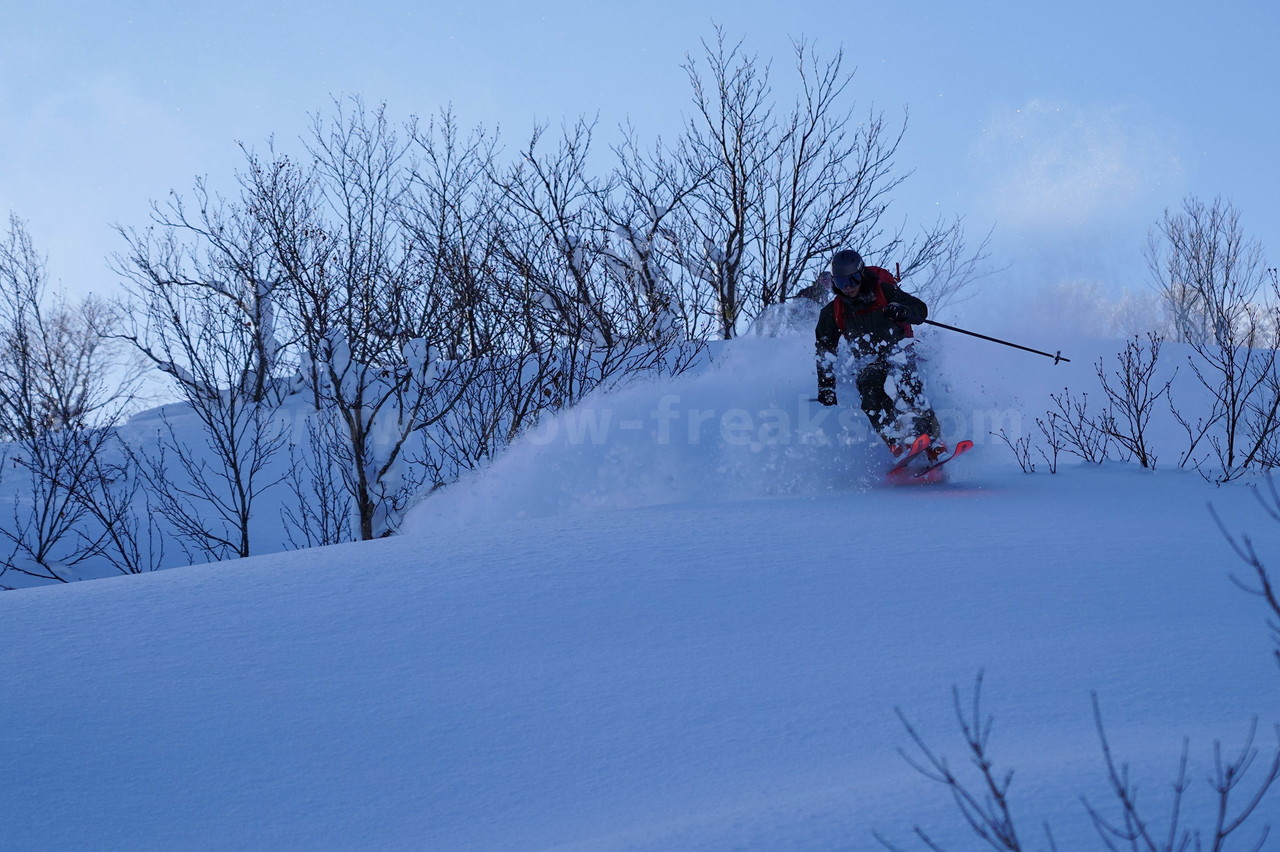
[{"x": 862, "y": 322}]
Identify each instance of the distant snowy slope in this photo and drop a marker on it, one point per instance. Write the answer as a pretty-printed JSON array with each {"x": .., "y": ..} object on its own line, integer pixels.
[{"x": 626, "y": 642}]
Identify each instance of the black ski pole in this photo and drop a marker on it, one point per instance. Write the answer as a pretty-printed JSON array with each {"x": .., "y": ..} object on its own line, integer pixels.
[{"x": 1057, "y": 356}]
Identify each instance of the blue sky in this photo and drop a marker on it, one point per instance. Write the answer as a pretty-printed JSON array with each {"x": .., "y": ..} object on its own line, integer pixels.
[{"x": 1068, "y": 128}]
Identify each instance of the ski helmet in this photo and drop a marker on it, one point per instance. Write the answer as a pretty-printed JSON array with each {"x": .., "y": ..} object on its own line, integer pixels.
[{"x": 847, "y": 264}]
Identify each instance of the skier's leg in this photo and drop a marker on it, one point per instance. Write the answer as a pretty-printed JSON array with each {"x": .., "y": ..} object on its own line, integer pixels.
[
  {"x": 876, "y": 402},
  {"x": 912, "y": 401}
]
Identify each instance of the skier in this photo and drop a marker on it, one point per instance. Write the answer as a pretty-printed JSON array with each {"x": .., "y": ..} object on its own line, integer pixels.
[{"x": 874, "y": 315}]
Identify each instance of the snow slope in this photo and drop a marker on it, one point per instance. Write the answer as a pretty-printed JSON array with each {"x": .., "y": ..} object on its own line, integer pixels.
[{"x": 678, "y": 624}]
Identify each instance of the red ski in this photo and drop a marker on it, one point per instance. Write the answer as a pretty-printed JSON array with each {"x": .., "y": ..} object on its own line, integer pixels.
[
  {"x": 918, "y": 467},
  {"x": 914, "y": 458},
  {"x": 933, "y": 468}
]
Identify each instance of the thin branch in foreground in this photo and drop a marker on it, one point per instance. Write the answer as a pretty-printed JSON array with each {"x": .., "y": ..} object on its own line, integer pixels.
[
  {"x": 1135, "y": 832},
  {"x": 986, "y": 809}
]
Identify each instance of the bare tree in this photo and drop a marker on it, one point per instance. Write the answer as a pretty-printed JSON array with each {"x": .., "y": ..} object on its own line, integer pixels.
[
  {"x": 986, "y": 807},
  {"x": 125, "y": 532},
  {"x": 1133, "y": 394},
  {"x": 62, "y": 386},
  {"x": 733, "y": 137},
  {"x": 320, "y": 512},
  {"x": 218, "y": 251},
  {"x": 554, "y": 220},
  {"x": 1052, "y": 430},
  {"x": 1072, "y": 427},
  {"x": 984, "y": 804},
  {"x": 643, "y": 212},
  {"x": 455, "y": 216},
  {"x": 40, "y": 536},
  {"x": 787, "y": 188},
  {"x": 58, "y": 367},
  {"x": 1239, "y": 782},
  {"x": 1210, "y": 276},
  {"x": 183, "y": 320},
  {"x": 1021, "y": 445},
  {"x": 1207, "y": 272},
  {"x": 1134, "y": 828},
  {"x": 370, "y": 312},
  {"x": 1262, "y": 584},
  {"x": 942, "y": 264},
  {"x": 1243, "y": 417},
  {"x": 829, "y": 184},
  {"x": 575, "y": 307}
]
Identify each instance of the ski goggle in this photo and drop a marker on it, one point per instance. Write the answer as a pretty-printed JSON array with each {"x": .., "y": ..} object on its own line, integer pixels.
[{"x": 849, "y": 282}]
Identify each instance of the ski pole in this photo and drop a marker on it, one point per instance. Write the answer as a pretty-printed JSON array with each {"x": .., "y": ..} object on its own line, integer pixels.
[{"x": 1057, "y": 356}]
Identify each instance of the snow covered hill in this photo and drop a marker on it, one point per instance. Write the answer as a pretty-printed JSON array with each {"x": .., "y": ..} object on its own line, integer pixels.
[{"x": 678, "y": 617}]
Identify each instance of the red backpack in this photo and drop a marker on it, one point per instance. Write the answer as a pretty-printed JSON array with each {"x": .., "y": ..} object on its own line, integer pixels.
[{"x": 879, "y": 302}]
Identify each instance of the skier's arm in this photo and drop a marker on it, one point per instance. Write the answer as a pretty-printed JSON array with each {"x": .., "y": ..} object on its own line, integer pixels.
[
  {"x": 915, "y": 311},
  {"x": 827, "y": 344}
]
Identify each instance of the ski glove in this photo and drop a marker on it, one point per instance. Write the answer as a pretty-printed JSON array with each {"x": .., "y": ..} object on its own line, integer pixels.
[
  {"x": 896, "y": 312},
  {"x": 827, "y": 396}
]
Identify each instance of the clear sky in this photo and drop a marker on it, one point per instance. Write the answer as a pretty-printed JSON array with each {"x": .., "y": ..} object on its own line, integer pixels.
[{"x": 1070, "y": 127}]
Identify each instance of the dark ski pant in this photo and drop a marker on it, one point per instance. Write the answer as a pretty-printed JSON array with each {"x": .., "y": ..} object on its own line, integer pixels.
[{"x": 904, "y": 418}]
